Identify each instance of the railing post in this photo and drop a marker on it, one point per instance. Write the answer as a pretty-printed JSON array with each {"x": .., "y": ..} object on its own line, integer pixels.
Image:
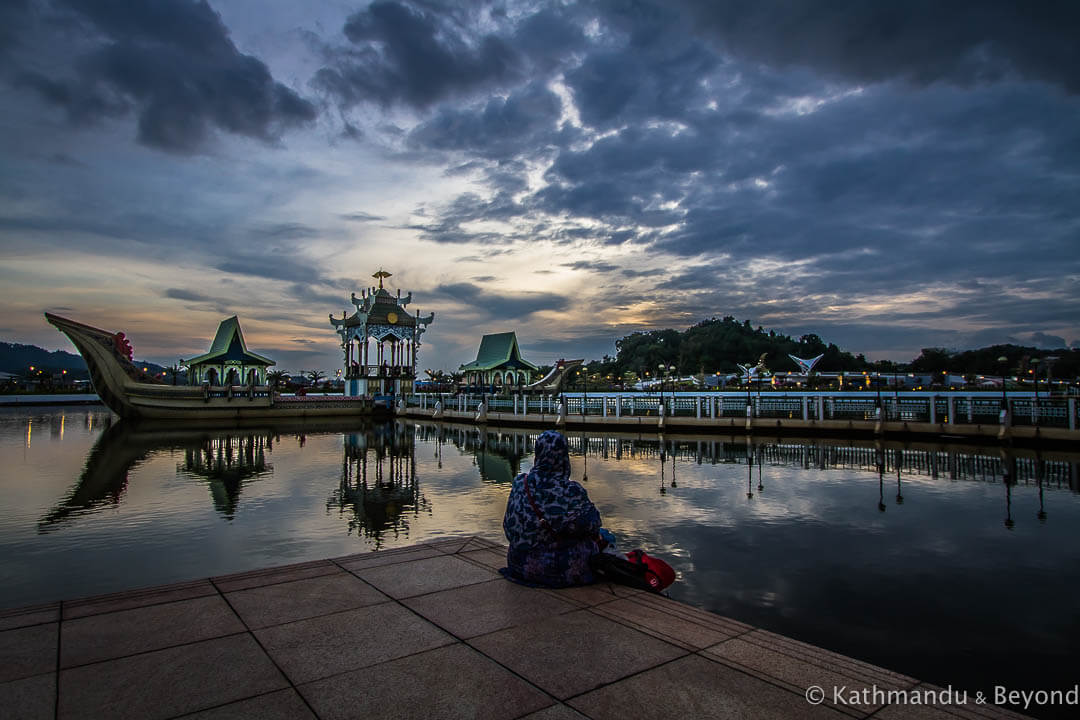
[
  {"x": 805, "y": 408},
  {"x": 971, "y": 409},
  {"x": 933, "y": 409},
  {"x": 1072, "y": 413},
  {"x": 697, "y": 406},
  {"x": 820, "y": 408},
  {"x": 618, "y": 405},
  {"x": 952, "y": 410}
]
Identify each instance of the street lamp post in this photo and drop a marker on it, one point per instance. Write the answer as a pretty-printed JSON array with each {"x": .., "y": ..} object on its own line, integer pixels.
[
  {"x": 665, "y": 371},
  {"x": 1035, "y": 372},
  {"x": 1004, "y": 400},
  {"x": 585, "y": 393},
  {"x": 660, "y": 379},
  {"x": 671, "y": 374}
]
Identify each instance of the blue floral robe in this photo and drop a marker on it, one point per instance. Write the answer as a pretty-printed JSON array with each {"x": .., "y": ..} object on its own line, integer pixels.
[{"x": 553, "y": 551}]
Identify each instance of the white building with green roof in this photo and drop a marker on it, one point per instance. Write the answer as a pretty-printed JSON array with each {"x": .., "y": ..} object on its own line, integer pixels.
[
  {"x": 498, "y": 364},
  {"x": 228, "y": 362}
]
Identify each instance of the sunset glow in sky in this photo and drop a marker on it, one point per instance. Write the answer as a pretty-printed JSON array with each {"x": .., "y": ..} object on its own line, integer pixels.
[{"x": 888, "y": 175}]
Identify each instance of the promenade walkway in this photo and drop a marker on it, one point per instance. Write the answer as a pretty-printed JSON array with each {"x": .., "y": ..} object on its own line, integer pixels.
[{"x": 427, "y": 631}]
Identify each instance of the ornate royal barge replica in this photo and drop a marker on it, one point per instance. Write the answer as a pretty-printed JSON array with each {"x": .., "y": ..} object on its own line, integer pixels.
[{"x": 228, "y": 383}]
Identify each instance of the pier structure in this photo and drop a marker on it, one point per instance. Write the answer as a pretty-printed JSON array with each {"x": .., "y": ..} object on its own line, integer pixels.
[
  {"x": 948, "y": 414},
  {"x": 381, "y": 341}
]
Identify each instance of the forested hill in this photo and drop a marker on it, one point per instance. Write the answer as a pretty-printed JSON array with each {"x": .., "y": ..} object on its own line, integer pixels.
[
  {"x": 16, "y": 359},
  {"x": 717, "y": 345}
]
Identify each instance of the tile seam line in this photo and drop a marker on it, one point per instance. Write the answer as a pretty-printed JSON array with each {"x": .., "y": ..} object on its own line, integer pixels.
[
  {"x": 663, "y": 637},
  {"x": 713, "y": 617},
  {"x": 455, "y": 638},
  {"x": 316, "y": 617},
  {"x": 776, "y": 682},
  {"x": 466, "y": 643},
  {"x": 153, "y": 650},
  {"x": 617, "y": 617},
  {"x": 425, "y": 594},
  {"x": 226, "y": 704},
  {"x": 284, "y": 582},
  {"x": 262, "y": 649},
  {"x": 819, "y": 663},
  {"x": 686, "y": 654},
  {"x": 733, "y": 663},
  {"x": 211, "y": 593}
]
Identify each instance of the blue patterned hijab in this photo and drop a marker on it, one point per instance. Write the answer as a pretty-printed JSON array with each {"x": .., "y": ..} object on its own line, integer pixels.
[{"x": 552, "y": 460}]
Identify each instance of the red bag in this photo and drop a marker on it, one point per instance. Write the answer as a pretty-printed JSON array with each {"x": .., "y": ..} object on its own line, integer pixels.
[{"x": 658, "y": 573}]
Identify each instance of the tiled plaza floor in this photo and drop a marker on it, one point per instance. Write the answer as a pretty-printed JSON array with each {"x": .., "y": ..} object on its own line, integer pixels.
[{"x": 428, "y": 631}]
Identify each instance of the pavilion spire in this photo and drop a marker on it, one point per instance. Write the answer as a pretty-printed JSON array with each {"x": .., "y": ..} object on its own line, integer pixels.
[{"x": 380, "y": 275}]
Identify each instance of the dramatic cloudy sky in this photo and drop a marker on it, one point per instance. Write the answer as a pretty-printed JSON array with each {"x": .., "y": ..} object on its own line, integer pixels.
[{"x": 890, "y": 175}]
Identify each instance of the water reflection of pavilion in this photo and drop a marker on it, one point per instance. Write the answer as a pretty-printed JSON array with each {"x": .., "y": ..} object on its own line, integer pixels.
[
  {"x": 496, "y": 454},
  {"x": 227, "y": 461},
  {"x": 985, "y": 464},
  {"x": 378, "y": 482}
]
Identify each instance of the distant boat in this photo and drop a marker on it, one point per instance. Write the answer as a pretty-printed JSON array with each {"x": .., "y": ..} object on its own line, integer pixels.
[{"x": 132, "y": 394}]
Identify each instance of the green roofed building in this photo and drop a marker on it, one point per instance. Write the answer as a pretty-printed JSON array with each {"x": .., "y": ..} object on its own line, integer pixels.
[
  {"x": 498, "y": 363},
  {"x": 228, "y": 362}
]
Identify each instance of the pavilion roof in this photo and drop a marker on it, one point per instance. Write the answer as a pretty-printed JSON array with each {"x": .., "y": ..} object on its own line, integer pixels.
[
  {"x": 496, "y": 350},
  {"x": 229, "y": 344}
]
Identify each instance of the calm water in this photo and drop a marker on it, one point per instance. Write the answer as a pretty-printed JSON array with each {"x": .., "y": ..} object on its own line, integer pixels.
[{"x": 920, "y": 559}]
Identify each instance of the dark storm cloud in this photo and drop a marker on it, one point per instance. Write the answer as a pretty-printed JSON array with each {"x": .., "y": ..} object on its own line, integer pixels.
[
  {"x": 1050, "y": 342},
  {"x": 503, "y": 128},
  {"x": 597, "y": 266},
  {"x": 502, "y": 306},
  {"x": 181, "y": 294},
  {"x": 921, "y": 41},
  {"x": 283, "y": 231},
  {"x": 361, "y": 216},
  {"x": 315, "y": 295},
  {"x": 172, "y": 61},
  {"x": 272, "y": 263},
  {"x": 415, "y": 54}
]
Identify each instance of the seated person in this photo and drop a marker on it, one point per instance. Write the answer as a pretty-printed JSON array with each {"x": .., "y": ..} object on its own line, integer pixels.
[{"x": 552, "y": 527}]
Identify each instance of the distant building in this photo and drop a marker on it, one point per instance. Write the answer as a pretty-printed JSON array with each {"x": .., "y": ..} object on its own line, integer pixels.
[
  {"x": 498, "y": 363},
  {"x": 228, "y": 362}
]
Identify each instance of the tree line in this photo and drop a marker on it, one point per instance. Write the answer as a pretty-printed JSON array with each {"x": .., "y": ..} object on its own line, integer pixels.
[{"x": 720, "y": 345}]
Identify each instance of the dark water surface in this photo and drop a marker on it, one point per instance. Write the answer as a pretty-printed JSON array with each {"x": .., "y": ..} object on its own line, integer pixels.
[{"x": 919, "y": 558}]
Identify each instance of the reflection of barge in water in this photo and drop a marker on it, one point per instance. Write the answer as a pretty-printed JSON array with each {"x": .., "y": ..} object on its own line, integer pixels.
[
  {"x": 229, "y": 458},
  {"x": 129, "y": 394}
]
